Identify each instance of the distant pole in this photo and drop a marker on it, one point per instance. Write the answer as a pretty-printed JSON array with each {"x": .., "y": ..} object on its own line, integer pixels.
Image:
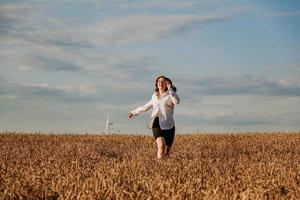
[{"x": 108, "y": 124}]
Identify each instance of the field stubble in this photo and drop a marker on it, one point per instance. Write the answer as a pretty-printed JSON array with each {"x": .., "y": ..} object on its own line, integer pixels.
[{"x": 203, "y": 166}]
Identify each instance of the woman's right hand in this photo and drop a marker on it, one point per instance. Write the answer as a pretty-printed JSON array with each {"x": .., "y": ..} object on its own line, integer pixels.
[{"x": 130, "y": 115}]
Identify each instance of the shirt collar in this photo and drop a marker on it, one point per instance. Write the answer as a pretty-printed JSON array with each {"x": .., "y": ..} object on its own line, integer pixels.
[{"x": 163, "y": 94}]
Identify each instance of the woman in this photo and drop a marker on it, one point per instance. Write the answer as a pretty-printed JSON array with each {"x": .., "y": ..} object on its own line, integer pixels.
[{"x": 162, "y": 122}]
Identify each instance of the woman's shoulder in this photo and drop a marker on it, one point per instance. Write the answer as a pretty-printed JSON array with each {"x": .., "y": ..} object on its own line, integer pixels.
[{"x": 154, "y": 94}]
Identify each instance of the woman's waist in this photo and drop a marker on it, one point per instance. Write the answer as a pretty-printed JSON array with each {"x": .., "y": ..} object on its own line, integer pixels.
[{"x": 162, "y": 113}]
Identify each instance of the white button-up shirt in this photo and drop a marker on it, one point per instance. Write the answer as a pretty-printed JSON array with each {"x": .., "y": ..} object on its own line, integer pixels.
[{"x": 162, "y": 108}]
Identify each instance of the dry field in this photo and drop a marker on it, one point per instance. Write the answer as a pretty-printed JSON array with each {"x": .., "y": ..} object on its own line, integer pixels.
[{"x": 235, "y": 166}]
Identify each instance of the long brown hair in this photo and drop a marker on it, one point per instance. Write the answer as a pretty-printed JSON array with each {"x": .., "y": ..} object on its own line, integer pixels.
[{"x": 166, "y": 79}]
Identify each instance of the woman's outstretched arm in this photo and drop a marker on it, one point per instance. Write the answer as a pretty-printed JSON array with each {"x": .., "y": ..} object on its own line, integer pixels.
[{"x": 140, "y": 109}]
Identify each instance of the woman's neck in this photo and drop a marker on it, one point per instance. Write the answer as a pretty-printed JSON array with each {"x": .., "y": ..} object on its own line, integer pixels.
[{"x": 161, "y": 92}]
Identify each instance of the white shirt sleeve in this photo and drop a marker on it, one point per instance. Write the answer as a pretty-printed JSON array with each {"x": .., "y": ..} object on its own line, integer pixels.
[
  {"x": 175, "y": 99},
  {"x": 143, "y": 108}
]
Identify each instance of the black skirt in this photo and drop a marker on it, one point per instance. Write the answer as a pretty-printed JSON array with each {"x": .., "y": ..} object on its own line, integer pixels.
[{"x": 167, "y": 134}]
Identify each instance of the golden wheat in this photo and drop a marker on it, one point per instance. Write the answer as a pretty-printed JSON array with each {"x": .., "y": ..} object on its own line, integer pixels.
[{"x": 201, "y": 166}]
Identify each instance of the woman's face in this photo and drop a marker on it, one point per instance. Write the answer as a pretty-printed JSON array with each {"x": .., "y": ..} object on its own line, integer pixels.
[{"x": 161, "y": 84}]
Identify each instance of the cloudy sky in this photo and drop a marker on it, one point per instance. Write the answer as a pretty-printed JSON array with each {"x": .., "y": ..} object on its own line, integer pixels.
[{"x": 65, "y": 64}]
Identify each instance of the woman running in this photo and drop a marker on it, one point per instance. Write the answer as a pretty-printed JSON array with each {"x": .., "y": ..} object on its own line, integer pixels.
[{"x": 162, "y": 122}]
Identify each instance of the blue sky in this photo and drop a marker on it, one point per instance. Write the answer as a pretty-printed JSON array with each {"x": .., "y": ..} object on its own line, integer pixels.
[{"x": 65, "y": 64}]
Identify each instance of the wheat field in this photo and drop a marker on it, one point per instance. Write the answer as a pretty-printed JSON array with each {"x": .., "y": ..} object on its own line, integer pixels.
[{"x": 201, "y": 166}]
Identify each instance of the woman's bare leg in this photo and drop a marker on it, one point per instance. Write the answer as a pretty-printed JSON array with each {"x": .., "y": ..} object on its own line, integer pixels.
[{"x": 161, "y": 147}]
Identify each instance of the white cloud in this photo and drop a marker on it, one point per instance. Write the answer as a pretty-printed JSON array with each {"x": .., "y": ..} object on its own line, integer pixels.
[
  {"x": 36, "y": 26},
  {"x": 85, "y": 89},
  {"x": 104, "y": 67},
  {"x": 238, "y": 112},
  {"x": 124, "y": 5},
  {"x": 166, "y": 4},
  {"x": 283, "y": 13},
  {"x": 17, "y": 9},
  {"x": 174, "y": 4},
  {"x": 241, "y": 85},
  {"x": 147, "y": 27}
]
